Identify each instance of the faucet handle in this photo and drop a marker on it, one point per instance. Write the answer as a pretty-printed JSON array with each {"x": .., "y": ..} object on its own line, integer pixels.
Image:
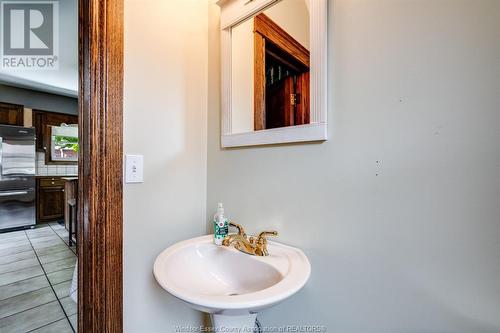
[
  {"x": 241, "y": 231},
  {"x": 268, "y": 233},
  {"x": 261, "y": 242}
]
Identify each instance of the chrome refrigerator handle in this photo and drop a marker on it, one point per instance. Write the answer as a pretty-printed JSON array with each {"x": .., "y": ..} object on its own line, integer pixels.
[{"x": 8, "y": 194}]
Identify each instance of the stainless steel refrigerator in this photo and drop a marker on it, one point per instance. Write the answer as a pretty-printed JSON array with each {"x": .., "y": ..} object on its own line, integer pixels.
[{"x": 17, "y": 177}]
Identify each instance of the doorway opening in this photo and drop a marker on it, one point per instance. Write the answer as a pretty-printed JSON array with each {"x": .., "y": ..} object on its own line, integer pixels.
[{"x": 61, "y": 178}]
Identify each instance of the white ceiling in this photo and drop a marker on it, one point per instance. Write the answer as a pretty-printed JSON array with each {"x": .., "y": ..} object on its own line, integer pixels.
[{"x": 63, "y": 81}]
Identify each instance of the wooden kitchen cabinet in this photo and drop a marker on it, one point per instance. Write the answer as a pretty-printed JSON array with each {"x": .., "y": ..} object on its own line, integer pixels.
[
  {"x": 11, "y": 114},
  {"x": 50, "y": 199},
  {"x": 42, "y": 119},
  {"x": 70, "y": 193}
]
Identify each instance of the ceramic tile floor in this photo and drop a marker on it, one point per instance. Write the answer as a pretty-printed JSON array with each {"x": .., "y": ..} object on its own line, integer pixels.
[{"x": 36, "y": 268}]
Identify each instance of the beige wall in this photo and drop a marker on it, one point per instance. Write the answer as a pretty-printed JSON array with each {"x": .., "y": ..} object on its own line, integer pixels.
[
  {"x": 242, "y": 77},
  {"x": 408, "y": 243},
  {"x": 165, "y": 103},
  {"x": 293, "y": 17}
]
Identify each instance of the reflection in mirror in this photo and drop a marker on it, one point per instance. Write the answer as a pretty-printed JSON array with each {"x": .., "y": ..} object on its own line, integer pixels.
[{"x": 270, "y": 68}]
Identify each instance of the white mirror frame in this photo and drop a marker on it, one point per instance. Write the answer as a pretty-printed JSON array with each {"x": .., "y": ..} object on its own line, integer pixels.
[{"x": 236, "y": 11}]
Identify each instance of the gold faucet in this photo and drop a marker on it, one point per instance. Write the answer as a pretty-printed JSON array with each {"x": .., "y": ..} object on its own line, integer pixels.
[{"x": 249, "y": 245}]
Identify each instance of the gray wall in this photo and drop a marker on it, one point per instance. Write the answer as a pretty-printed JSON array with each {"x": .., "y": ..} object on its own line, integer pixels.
[
  {"x": 409, "y": 243},
  {"x": 38, "y": 100}
]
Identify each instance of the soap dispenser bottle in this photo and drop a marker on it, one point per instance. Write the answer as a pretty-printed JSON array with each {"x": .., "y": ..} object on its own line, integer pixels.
[{"x": 221, "y": 225}]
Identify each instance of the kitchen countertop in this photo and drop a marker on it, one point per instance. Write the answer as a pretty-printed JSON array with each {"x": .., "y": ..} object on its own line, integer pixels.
[
  {"x": 69, "y": 178},
  {"x": 56, "y": 176}
]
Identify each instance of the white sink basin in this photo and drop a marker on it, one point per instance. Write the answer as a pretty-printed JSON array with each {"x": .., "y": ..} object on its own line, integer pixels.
[{"x": 230, "y": 285}]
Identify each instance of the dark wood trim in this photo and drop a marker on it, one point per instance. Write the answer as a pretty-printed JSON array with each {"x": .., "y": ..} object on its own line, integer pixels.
[
  {"x": 288, "y": 106},
  {"x": 272, "y": 32},
  {"x": 100, "y": 166},
  {"x": 302, "y": 112},
  {"x": 259, "y": 83}
]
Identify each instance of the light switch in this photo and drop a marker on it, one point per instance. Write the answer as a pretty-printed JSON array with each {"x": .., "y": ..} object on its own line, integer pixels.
[{"x": 134, "y": 169}]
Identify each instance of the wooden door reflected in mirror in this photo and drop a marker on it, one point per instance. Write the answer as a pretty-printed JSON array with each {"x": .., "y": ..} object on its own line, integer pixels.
[
  {"x": 281, "y": 77},
  {"x": 274, "y": 72}
]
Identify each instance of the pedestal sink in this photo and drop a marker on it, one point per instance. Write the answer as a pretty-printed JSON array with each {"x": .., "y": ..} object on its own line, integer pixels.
[{"x": 230, "y": 285}]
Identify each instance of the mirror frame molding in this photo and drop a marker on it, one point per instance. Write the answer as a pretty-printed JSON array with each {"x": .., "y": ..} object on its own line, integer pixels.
[{"x": 232, "y": 13}]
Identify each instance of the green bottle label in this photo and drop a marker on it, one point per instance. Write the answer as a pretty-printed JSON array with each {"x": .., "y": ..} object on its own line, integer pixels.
[{"x": 221, "y": 229}]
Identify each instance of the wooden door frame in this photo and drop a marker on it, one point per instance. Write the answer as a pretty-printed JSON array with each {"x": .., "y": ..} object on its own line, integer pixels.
[
  {"x": 265, "y": 31},
  {"x": 100, "y": 166}
]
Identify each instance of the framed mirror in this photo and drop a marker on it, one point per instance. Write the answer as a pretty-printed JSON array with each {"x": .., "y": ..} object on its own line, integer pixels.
[
  {"x": 62, "y": 144},
  {"x": 274, "y": 71}
]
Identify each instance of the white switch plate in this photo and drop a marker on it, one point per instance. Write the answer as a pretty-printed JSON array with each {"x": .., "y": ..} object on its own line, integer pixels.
[{"x": 134, "y": 169}]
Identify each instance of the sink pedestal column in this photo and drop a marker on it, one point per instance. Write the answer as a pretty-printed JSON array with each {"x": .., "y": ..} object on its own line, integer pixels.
[{"x": 244, "y": 323}]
